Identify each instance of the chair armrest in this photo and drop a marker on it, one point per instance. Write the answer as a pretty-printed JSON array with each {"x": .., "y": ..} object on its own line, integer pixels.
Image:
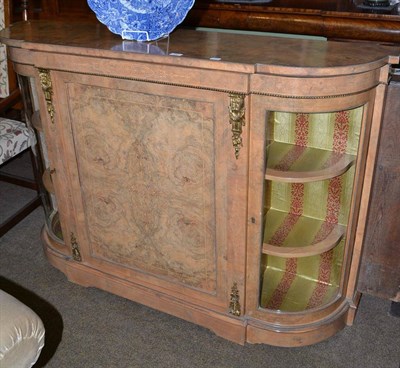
[
  {"x": 10, "y": 101},
  {"x": 21, "y": 333}
]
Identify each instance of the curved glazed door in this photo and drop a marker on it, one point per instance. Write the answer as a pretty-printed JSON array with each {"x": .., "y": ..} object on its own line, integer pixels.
[{"x": 308, "y": 201}]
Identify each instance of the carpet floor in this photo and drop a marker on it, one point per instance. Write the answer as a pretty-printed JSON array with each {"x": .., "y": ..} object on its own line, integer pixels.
[{"x": 87, "y": 327}]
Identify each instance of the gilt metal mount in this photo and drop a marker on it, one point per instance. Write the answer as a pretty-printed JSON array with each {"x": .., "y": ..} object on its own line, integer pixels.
[
  {"x": 76, "y": 254},
  {"x": 47, "y": 87},
  {"x": 237, "y": 120},
  {"x": 234, "y": 305}
]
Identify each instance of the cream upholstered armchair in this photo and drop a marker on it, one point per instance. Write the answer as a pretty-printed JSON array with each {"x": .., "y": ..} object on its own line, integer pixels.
[{"x": 21, "y": 333}]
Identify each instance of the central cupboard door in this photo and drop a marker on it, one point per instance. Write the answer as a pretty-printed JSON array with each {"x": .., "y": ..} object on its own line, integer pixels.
[{"x": 152, "y": 168}]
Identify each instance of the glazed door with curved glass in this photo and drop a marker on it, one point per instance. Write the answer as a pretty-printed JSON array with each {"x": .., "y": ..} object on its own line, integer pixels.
[{"x": 304, "y": 205}]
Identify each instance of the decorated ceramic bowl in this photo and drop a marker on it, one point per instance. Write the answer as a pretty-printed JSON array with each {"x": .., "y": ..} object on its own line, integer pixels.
[{"x": 141, "y": 20}]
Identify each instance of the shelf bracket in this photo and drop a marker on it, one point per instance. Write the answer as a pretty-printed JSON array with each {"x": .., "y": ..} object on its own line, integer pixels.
[
  {"x": 76, "y": 254},
  {"x": 237, "y": 120},
  {"x": 47, "y": 87},
  {"x": 234, "y": 305}
]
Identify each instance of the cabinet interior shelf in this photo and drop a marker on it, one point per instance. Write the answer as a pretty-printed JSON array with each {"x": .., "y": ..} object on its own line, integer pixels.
[
  {"x": 299, "y": 236},
  {"x": 291, "y": 163},
  {"x": 299, "y": 295}
]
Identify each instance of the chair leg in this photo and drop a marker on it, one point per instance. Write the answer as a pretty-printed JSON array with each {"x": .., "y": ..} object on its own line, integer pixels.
[
  {"x": 18, "y": 180},
  {"x": 27, "y": 183},
  {"x": 20, "y": 215},
  {"x": 23, "y": 181}
]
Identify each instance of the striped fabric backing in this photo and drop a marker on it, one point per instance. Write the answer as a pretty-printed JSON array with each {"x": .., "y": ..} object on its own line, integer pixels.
[{"x": 296, "y": 284}]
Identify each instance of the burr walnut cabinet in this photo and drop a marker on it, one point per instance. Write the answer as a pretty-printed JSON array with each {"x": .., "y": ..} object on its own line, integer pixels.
[{"x": 221, "y": 178}]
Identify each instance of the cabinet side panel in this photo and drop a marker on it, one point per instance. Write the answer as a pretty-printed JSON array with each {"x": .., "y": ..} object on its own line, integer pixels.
[
  {"x": 146, "y": 169},
  {"x": 380, "y": 265}
]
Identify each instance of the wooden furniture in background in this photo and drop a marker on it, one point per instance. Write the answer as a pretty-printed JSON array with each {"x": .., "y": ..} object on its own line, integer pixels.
[
  {"x": 160, "y": 189},
  {"x": 340, "y": 19},
  {"x": 71, "y": 10},
  {"x": 380, "y": 269}
]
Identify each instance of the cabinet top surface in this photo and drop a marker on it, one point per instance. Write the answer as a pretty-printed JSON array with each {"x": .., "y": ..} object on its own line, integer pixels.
[{"x": 205, "y": 49}]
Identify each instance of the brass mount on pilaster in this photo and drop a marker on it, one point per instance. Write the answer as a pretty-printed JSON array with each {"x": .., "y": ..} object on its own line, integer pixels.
[
  {"x": 237, "y": 120},
  {"x": 47, "y": 87},
  {"x": 234, "y": 305},
  {"x": 76, "y": 254}
]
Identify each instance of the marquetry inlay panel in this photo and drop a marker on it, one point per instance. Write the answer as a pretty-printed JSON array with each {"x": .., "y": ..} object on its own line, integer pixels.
[{"x": 162, "y": 219}]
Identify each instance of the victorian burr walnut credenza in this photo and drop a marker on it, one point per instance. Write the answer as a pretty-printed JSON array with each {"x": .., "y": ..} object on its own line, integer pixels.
[{"x": 221, "y": 178}]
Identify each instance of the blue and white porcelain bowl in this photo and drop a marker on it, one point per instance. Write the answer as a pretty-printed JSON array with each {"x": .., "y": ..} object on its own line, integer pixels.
[{"x": 141, "y": 20}]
